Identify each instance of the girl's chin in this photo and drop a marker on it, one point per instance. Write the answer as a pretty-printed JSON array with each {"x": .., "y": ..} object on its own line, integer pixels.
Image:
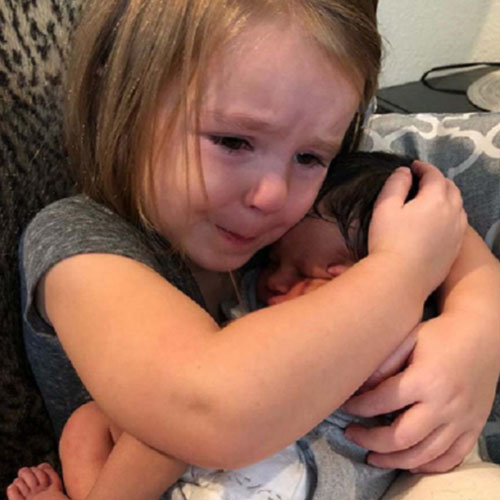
[{"x": 219, "y": 263}]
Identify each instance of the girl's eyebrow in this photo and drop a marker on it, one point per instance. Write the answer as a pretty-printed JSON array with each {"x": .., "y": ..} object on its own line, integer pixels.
[
  {"x": 329, "y": 147},
  {"x": 250, "y": 123},
  {"x": 243, "y": 121}
]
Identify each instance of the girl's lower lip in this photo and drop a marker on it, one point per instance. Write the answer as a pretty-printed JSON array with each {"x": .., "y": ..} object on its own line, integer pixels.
[{"x": 234, "y": 237}]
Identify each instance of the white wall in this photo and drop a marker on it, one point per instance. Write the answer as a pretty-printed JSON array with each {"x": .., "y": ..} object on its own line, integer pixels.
[{"x": 421, "y": 34}]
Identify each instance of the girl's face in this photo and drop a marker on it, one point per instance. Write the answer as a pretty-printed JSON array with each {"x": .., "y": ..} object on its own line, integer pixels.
[{"x": 273, "y": 115}]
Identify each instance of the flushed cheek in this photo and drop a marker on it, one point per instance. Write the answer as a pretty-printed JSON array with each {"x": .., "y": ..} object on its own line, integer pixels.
[{"x": 300, "y": 205}]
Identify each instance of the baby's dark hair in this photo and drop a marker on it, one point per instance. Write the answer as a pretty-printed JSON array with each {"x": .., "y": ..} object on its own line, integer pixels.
[{"x": 349, "y": 192}]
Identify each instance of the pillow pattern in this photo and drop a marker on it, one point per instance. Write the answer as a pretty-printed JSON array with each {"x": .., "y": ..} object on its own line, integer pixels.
[{"x": 466, "y": 147}]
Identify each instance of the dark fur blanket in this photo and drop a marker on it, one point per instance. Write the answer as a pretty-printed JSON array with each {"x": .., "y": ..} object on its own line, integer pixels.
[{"x": 34, "y": 38}]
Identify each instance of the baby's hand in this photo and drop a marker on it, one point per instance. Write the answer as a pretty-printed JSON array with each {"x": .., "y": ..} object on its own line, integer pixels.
[{"x": 424, "y": 234}]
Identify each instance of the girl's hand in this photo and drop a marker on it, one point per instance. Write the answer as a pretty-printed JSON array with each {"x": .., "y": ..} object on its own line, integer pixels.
[
  {"x": 426, "y": 232},
  {"x": 444, "y": 396}
]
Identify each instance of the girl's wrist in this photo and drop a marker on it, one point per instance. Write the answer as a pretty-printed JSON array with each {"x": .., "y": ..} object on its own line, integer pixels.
[{"x": 414, "y": 283}]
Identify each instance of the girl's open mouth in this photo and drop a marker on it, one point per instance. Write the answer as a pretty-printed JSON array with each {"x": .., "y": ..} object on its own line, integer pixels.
[{"x": 235, "y": 237}]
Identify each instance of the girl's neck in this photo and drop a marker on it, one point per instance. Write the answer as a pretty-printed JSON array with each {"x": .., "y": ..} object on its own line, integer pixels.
[{"x": 215, "y": 287}]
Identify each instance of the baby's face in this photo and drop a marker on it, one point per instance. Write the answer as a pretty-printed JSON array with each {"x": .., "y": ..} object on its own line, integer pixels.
[{"x": 308, "y": 256}]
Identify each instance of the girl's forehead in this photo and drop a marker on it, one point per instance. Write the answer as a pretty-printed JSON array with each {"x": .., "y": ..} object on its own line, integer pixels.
[
  {"x": 278, "y": 48},
  {"x": 273, "y": 73}
]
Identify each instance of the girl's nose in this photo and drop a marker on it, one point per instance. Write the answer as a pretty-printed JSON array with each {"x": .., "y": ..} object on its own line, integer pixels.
[{"x": 269, "y": 194}]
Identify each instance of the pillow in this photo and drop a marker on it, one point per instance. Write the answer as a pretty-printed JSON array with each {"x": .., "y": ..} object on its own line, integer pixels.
[{"x": 466, "y": 147}]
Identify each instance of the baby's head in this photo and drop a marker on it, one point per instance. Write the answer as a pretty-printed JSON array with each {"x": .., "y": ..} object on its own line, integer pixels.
[
  {"x": 335, "y": 235},
  {"x": 142, "y": 74}
]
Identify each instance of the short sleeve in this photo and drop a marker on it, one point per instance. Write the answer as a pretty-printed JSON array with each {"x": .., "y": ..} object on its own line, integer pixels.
[{"x": 71, "y": 227}]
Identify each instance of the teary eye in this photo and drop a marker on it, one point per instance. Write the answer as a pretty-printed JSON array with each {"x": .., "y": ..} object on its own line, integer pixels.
[
  {"x": 230, "y": 143},
  {"x": 308, "y": 159}
]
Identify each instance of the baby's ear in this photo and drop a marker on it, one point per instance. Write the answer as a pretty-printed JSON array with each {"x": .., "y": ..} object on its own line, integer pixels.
[{"x": 337, "y": 270}]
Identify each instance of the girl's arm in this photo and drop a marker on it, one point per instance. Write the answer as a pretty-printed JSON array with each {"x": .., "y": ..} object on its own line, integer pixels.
[
  {"x": 161, "y": 369},
  {"x": 451, "y": 378}
]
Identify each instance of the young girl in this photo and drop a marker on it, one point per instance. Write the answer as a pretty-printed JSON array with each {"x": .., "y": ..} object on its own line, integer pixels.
[{"x": 201, "y": 131}]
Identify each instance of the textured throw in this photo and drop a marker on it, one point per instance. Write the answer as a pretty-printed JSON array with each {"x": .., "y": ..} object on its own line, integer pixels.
[{"x": 33, "y": 172}]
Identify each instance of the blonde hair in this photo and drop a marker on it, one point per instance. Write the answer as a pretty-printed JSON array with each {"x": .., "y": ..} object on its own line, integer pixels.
[{"x": 126, "y": 53}]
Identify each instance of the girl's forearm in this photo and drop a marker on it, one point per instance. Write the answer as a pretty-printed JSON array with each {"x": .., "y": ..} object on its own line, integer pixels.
[
  {"x": 472, "y": 290},
  {"x": 474, "y": 280}
]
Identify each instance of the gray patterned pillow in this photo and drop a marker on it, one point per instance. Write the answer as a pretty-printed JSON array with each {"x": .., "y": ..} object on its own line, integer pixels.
[{"x": 466, "y": 147}]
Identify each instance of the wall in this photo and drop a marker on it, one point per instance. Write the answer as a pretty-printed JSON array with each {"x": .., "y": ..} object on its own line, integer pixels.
[{"x": 420, "y": 34}]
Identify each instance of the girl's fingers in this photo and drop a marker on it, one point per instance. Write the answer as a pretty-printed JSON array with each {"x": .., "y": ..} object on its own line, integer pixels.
[
  {"x": 424, "y": 452},
  {"x": 430, "y": 177},
  {"x": 451, "y": 458},
  {"x": 391, "y": 395},
  {"x": 410, "y": 428},
  {"x": 423, "y": 169},
  {"x": 395, "y": 189}
]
